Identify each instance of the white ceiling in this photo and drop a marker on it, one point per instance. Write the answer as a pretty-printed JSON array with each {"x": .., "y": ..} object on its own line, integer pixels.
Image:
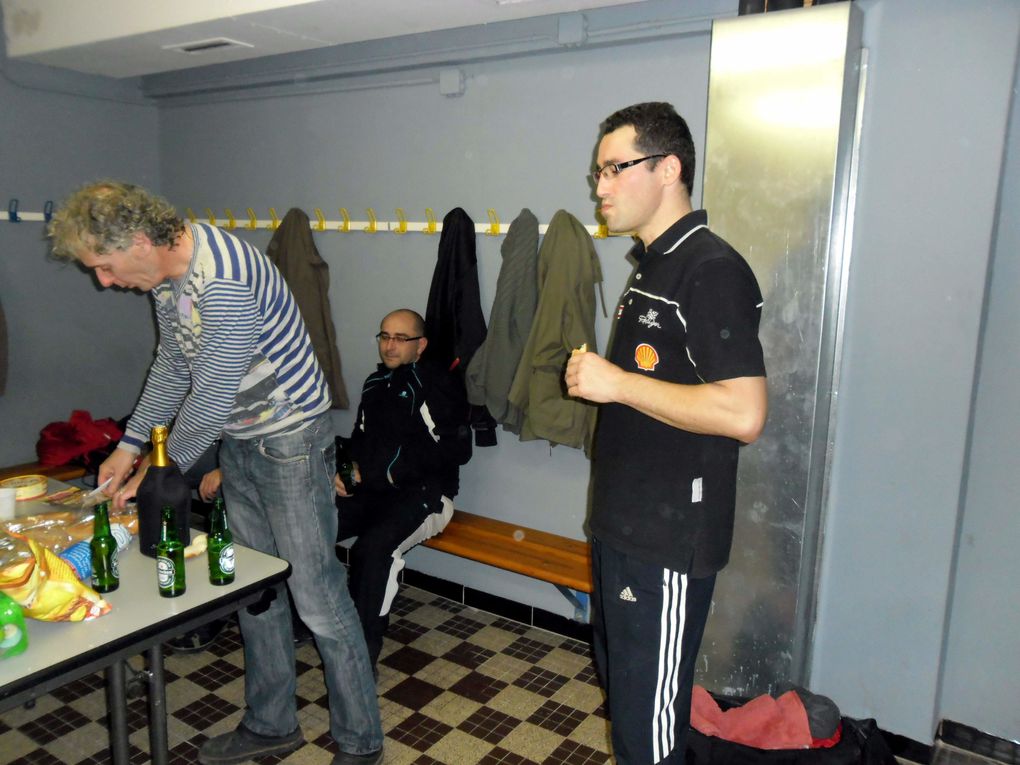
[{"x": 125, "y": 38}]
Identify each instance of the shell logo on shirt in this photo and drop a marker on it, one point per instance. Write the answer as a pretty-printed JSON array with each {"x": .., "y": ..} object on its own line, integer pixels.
[{"x": 646, "y": 357}]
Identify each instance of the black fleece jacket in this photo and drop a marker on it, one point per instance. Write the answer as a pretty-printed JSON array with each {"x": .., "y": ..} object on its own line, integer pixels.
[{"x": 412, "y": 428}]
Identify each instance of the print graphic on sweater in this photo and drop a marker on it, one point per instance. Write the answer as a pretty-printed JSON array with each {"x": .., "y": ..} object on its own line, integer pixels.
[
  {"x": 260, "y": 400},
  {"x": 232, "y": 347}
]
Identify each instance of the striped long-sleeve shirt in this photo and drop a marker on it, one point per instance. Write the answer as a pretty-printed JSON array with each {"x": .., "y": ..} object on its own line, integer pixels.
[{"x": 234, "y": 356}]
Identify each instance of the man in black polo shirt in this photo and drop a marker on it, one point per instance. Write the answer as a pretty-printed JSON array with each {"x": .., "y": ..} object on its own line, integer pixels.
[{"x": 683, "y": 387}]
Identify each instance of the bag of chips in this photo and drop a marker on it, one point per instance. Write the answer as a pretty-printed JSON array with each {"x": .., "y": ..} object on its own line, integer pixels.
[{"x": 44, "y": 585}]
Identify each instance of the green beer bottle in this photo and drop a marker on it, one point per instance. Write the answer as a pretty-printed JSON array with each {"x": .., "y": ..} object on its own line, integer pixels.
[
  {"x": 105, "y": 573},
  {"x": 220, "y": 546},
  {"x": 169, "y": 557},
  {"x": 345, "y": 465}
]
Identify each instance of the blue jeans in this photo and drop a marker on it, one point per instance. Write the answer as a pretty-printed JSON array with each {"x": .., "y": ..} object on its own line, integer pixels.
[{"x": 279, "y": 497}]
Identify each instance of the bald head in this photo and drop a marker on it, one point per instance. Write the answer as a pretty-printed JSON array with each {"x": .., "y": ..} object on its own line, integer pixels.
[{"x": 401, "y": 338}]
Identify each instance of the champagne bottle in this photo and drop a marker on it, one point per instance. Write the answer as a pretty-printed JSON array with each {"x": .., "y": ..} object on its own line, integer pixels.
[
  {"x": 220, "y": 546},
  {"x": 170, "y": 557},
  {"x": 105, "y": 573},
  {"x": 163, "y": 485}
]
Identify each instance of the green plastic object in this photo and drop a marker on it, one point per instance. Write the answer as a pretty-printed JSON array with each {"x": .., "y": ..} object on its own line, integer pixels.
[{"x": 13, "y": 633}]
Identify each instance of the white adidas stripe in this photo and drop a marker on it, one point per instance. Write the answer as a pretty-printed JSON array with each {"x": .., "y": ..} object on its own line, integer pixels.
[{"x": 671, "y": 631}]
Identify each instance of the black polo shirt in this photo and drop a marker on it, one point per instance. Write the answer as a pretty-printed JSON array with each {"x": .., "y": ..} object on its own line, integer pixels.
[{"x": 689, "y": 315}]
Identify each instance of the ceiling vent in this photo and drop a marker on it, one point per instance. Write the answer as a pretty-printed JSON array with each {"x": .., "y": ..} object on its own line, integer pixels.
[{"x": 204, "y": 46}]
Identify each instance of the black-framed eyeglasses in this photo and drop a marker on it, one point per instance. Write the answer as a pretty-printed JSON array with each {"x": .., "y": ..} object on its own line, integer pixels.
[
  {"x": 385, "y": 337},
  {"x": 613, "y": 169}
]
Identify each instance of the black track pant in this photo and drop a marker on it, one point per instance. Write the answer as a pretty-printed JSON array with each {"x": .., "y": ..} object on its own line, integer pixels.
[
  {"x": 647, "y": 626},
  {"x": 387, "y": 524}
]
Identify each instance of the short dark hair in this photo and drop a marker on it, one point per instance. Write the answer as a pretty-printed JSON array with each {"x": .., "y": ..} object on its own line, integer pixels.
[{"x": 660, "y": 130}]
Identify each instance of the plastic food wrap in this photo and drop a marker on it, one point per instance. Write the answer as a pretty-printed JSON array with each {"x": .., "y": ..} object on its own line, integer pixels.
[{"x": 61, "y": 527}]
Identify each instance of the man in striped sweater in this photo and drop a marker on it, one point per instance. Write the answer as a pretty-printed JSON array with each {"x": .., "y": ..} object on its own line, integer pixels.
[{"x": 234, "y": 361}]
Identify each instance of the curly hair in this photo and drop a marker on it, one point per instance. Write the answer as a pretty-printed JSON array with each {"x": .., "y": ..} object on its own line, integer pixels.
[
  {"x": 104, "y": 216},
  {"x": 660, "y": 130}
]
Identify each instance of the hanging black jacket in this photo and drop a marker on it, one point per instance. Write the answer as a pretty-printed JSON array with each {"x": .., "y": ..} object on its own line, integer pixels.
[{"x": 454, "y": 323}]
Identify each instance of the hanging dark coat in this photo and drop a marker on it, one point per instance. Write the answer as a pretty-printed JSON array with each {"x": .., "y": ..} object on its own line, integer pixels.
[
  {"x": 454, "y": 323},
  {"x": 491, "y": 372},
  {"x": 292, "y": 249}
]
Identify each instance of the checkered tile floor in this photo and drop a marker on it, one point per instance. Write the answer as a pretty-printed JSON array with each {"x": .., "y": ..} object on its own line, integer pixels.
[{"x": 457, "y": 686}]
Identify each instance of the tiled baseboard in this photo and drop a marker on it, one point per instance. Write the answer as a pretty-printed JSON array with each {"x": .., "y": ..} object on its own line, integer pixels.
[
  {"x": 508, "y": 609},
  {"x": 978, "y": 742}
]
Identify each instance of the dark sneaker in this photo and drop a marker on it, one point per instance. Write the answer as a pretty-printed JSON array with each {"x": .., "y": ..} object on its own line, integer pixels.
[
  {"x": 198, "y": 640},
  {"x": 242, "y": 744},
  {"x": 372, "y": 758}
]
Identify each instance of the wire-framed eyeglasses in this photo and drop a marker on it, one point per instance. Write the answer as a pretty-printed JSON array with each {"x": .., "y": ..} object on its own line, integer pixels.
[
  {"x": 385, "y": 337},
  {"x": 613, "y": 169}
]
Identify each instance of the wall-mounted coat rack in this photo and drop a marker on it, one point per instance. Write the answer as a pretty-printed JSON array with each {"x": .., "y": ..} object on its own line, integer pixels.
[{"x": 344, "y": 225}]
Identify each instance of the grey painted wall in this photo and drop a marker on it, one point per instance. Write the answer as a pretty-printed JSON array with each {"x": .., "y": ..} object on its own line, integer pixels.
[
  {"x": 983, "y": 641},
  {"x": 939, "y": 86},
  {"x": 71, "y": 345},
  {"x": 890, "y": 622}
]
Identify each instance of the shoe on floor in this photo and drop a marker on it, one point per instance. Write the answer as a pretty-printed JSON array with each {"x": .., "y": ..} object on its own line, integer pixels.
[
  {"x": 242, "y": 744},
  {"x": 197, "y": 640},
  {"x": 372, "y": 758}
]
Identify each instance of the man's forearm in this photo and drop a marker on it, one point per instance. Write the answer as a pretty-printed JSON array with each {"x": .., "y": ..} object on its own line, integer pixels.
[{"x": 735, "y": 408}]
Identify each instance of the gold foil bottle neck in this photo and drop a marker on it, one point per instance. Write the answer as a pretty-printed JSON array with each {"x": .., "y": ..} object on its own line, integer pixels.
[{"x": 158, "y": 457}]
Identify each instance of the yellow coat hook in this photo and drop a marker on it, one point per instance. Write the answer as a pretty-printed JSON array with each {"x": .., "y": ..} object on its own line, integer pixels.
[
  {"x": 493, "y": 223},
  {"x": 231, "y": 223},
  {"x": 401, "y": 222},
  {"x": 212, "y": 218},
  {"x": 191, "y": 215},
  {"x": 252, "y": 220},
  {"x": 601, "y": 232},
  {"x": 430, "y": 225},
  {"x": 371, "y": 228},
  {"x": 345, "y": 227},
  {"x": 321, "y": 225},
  {"x": 274, "y": 222}
]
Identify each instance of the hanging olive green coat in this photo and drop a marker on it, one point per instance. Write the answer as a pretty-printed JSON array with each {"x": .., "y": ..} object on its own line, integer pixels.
[{"x": 568, "y": 269}]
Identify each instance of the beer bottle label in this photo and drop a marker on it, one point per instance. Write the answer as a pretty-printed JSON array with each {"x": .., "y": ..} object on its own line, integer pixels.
[
  {"x": 227, "y": 559},
  {"x": 165, "y": 572}
]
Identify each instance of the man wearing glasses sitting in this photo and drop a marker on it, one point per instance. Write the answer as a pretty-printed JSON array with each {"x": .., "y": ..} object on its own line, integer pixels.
[{"x": 410, "y": 437}]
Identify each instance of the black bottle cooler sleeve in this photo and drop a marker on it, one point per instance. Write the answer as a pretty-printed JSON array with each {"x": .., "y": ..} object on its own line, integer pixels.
[{"x": 162, "y": 486}]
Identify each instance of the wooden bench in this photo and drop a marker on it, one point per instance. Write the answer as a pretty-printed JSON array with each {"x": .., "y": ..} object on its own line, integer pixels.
[
  {"x": 57, "y": 472},
  {"x": 564, "y": 562}
]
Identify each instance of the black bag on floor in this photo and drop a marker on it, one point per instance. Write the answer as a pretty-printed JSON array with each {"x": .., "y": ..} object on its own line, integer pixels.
[{"x": 860, "y": 742}]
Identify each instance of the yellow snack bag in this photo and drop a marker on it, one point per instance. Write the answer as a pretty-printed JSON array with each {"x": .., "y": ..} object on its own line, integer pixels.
[{"x": 47, "y": 587}]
